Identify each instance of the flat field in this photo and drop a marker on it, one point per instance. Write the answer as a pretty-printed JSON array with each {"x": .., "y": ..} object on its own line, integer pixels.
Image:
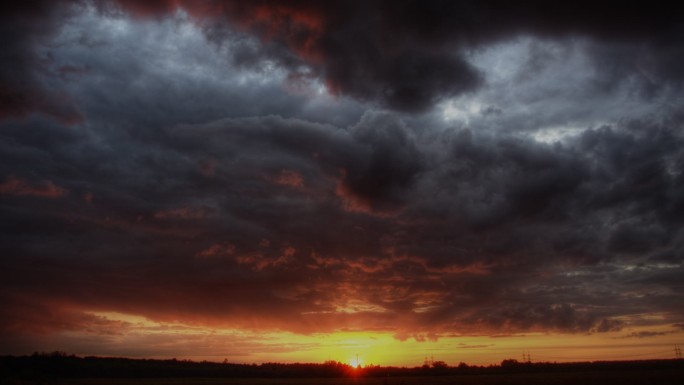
[{"x": 660, "y": 377}]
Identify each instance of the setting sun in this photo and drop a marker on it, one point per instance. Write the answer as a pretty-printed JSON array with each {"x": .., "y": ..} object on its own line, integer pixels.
[{"x": 356, "y": 362}]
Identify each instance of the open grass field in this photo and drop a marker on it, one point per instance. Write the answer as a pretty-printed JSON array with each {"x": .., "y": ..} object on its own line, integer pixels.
[{"x": 660, "y": 377}]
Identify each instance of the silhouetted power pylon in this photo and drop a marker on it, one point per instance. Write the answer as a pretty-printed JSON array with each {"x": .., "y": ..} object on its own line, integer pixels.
[{"x": 527, "y": 357}]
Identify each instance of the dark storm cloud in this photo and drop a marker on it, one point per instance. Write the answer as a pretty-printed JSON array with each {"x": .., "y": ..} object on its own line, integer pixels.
[
  {"x": 211, "y": 183},
  {"x": 406, "y": 56},
  {"x": 203, "y": 209},
  {"x": 486, "y": 248},
  {"x": 409, "y": 55},
  {"x": 22, "y": 26}
]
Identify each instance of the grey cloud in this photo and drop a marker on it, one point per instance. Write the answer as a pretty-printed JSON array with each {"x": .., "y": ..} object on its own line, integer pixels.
[
  {"x": 409, "y": 56},
  {"x": 438, "y": 248},
  {"x": 22, "y": 30},
  {"x": 561, "y": 317}
]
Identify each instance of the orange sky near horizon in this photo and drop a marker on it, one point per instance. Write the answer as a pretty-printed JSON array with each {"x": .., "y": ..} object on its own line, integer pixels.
[{"x": 139, "y": 337}]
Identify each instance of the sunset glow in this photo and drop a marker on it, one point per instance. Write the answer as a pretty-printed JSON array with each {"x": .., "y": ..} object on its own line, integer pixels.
[{"x": 369, "y": 183}]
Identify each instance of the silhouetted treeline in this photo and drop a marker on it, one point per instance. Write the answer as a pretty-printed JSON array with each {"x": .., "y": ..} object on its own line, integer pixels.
[{"x": 60, "y": 365}]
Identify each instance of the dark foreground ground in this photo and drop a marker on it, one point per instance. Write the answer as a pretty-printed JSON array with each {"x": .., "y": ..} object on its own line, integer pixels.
[
  {"x": 661, "y": 377},
  {"x": 599, "y": 378},
  {"x": 61, "y": 369}
]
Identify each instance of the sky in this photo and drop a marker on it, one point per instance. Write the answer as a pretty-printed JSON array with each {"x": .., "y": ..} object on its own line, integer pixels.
[{"x": 300, "y": 181}]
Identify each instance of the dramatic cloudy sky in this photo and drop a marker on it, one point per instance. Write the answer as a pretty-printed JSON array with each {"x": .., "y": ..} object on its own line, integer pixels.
[{"x": 301, "y": 181}]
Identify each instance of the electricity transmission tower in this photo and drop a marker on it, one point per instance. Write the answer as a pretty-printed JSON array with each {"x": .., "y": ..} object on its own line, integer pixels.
[{"x": 527, "y": 357}]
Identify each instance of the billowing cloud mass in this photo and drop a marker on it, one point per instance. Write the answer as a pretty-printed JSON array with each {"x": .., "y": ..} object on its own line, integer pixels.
[{"x": 426, "y": 169}]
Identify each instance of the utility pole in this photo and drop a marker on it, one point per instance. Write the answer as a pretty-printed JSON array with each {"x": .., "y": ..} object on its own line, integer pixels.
[{"x": 678, "y": 352}]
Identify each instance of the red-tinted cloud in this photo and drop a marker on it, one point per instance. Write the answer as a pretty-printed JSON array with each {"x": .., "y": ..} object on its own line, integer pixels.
[
  {"x": 181, "y": 213},
  {"x": 27, "y": 315},
  {"x": 20, "y": 102},
  {"x": 217, "y": 251},
  {"x": 289, "y": 178},
  {"x": 352, "y": 202},
  {"x": 21, "y": 187}
]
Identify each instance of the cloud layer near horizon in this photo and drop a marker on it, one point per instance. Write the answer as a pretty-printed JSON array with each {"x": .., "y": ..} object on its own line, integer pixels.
[{"x": 426, "y": 169}]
